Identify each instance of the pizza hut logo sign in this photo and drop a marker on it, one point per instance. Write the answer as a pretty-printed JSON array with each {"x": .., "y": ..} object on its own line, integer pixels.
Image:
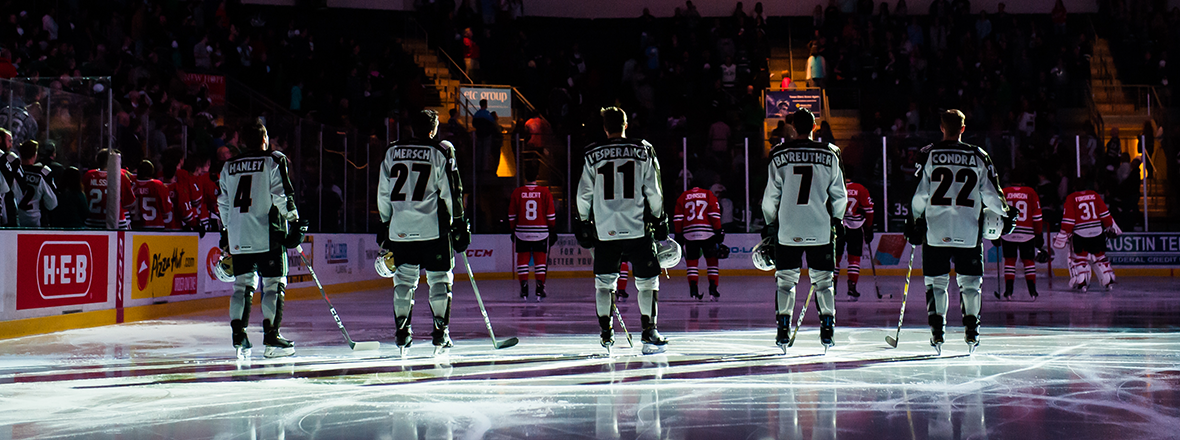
[
  {"x": 61, "y": 270},
  {"x": 64, "y": 269}
]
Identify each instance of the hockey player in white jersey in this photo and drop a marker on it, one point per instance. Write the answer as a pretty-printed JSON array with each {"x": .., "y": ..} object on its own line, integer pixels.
[
  {"x": 620, "y": 212},
  {"x": 257, "y": 205},
  {"x": 957, "y": 198},
  {"x": 804, "y": 206},
  {"x": 419, "y": 199},
  {"x": 35, "y": 190}
]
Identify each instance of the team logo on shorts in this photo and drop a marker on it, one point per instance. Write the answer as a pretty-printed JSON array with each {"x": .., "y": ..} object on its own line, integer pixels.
[
  {"x": 946, "y": 239},
  {"x": 798, "y": 239},
  {"x": 402, "y": 235},
  {"x": 611, "y": 233}
]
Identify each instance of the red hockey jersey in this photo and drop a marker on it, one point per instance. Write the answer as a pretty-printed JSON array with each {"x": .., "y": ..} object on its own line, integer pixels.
[
  {"x": 209, "y": 197},
  {"x": 152, "y": 204},
  {"x": 1085, "y": 214},
  {"x": 189, "y": 182},
  {"x": 530, "y": 213},
  {"x": 183, "y": 212},
  {"x": 697, "y": 214},
  {"x": 94, "y": 183},
  {"x": 1027, "y": 206},
  {"x": 860, "y": 206}
]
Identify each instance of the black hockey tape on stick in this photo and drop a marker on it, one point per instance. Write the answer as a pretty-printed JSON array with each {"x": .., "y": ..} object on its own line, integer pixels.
[
  {"x": 905, "y": 293},
  {"x": 366, "y": 345},
  {"x": 497, "y": 344}
]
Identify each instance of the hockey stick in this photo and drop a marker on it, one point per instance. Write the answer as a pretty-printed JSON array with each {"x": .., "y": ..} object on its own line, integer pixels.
[
  {"x": 873, "y": 262},
  {"x": 999, "y": 272},
  {"x": 623, "y": 326},
  {"x": 497, "y": 344},
  {"x": 366, "y": 345},
  {"x": 905, "y": 293},
  {"x": 799, "y": 323}
]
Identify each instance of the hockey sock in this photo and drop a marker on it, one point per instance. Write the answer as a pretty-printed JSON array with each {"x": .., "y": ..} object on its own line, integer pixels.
[
  {"x": 405, "y": 280},
  {"x": 522, "y": 265},
  {"x": 1105, "y": 272},
  {"x": 693, "y": 274},
  {"x": 540, "y": 266},
  {"x": 273, "y": 289},
  {"x": 969, "y": 293},
  {"x": 440, "y": 292},
  {"x": 604, "y": 288},
  {"x": 854, "y": 268},
  {"x": 1009, "y": 268},
  {"x": 647, "y": 288},
  {"x": 1030, "y": 270},
  {"x": 623, "y": 269},
  {"x": 825, "y": 290},
  {"x": 714, "y": 273},
  {"x": 784, "y": 299},
  {"x": 936, "y": 296}
]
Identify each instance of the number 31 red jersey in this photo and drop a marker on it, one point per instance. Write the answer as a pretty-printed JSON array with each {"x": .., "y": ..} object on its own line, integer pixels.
[
  {"x": 1085, "y": 214},
  {"x": 530, "y": 213},
  {"x": 697, "y": 214}
]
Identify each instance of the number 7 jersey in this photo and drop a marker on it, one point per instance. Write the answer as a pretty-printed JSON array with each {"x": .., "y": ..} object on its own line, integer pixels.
[
  {"x": 804, "y": 192},
  {"x": 956, "y": 184},
  {"x": 416, "y": 193},
  {"x": 256, "y": 199}
]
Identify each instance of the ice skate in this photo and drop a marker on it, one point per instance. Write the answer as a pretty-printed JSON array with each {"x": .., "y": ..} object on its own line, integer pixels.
[
  {"x": 242, "y": 343},
  {"x": 783, "y": 337},
  {"x": 971, "y": 332},
  {"x": 936, "y": 332},
  {"x": 852, "y": 293},
  {"x": 694, "y": 291},
  {"x": 441, "y": 338},
  {"x": 621, "y": 296},
  {"x": 1109, "y": 286},
  {"x": 524, "y": 291},
  {"x": 1032, "y": 290},
  {"x": 541, "y": 291},
  {"x": 607, "y": 335},
  {"x": 827, "y": 331},
  {"x": 276, "y": 344},
  {"x": 404, "y": 337},
  {"x": 1008, "y": 287},
  {"x": 653, "y": 341},
  {"x": 936, "y": 342},
  {"x": 713, "y": 293}
]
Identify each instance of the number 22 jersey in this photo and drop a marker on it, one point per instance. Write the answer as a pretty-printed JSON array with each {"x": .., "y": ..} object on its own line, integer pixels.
[
  {"x": 256, "y": 199},
  {"x": 956, "y": 184}
]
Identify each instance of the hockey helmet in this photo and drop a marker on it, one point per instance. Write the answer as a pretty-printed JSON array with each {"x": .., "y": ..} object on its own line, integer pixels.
[
  {"x": 668, "y": 253},
  {"x": 722, "y": 251},
  {"x": 385, "y": 265},
  {"x": 224, "y": 269},
  {"x": 993, "y": 226},
  {"x": 763, "y": 254}
]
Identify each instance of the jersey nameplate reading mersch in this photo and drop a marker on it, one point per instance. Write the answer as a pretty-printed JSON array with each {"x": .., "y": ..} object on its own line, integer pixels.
[
  {"x": 246, "y": 166},
  {"x": 620, "y": 152},
  {"x": 411, "y": 153}
]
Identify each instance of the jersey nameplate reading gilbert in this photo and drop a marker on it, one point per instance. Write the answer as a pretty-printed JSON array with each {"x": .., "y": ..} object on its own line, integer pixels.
[
  {"x": 787, "y": 157},
  {"x": 618, "y": 152},
  {"x": 410, "y": 153},
  {"x": 246, "y": 166}
]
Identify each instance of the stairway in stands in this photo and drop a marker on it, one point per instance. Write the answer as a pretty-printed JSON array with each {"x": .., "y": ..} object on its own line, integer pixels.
[
  {"x": 441, "y": 88},
  {"x": 1127, "y": 108},
  {"x": 788, "y": 60}
]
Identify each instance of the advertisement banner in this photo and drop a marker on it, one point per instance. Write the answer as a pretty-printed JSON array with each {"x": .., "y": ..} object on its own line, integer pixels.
[
  {"x": 164, "y": 265},
  {"x": 782, "y": 103},
  {"x": 296, "y": 270},
  {"x": 214, "y": 86},
  {"x": 489, "y": 253},
  {"x": 499, "y": 100},
  {"x": 208, "y": 283},
  {"x": 1144, "y": 249},
  {"x": 61, "y": 270}
]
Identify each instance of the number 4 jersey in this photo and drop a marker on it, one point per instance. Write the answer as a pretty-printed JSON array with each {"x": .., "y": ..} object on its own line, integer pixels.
[
  {"x": 956, "y": 184},
  {"x": 530, "y": 213},
  {"x": 620, "y": 185},
  {"x": 804, "y": 192},
  {"x": 415, "y": 193},
  {"x": 256, "y": 199}
]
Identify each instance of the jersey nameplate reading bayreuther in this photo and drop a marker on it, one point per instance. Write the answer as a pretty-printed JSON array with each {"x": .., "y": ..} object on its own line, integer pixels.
[{"x": 795, "y": 157}]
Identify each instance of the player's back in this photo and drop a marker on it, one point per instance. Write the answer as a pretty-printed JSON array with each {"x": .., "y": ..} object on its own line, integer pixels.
[
  {"x": 152, "y": 202},
  {"x": 1087, "y": 212},
  {"x": 531, "y": 210},
  {"x": 697, "y": 214},
  {"x": 810, "y": 192},
  {"x": 860, "y": 205},
  {"x": 34, "y": 191},
  {"x": 1027, "y": 206},
  {"x": 956, "y": 184},
  {"x": 412, "y": 187},
  {"x": 623, "y": 187},
  {"x": 94, "y": 184},
  {"x": 250, "y": 215}
]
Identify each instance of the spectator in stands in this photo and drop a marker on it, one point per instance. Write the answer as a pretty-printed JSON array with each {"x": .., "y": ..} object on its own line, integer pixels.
[
  {"x": 1114, "y": 148},
  {"x": 817, "y": 68}
]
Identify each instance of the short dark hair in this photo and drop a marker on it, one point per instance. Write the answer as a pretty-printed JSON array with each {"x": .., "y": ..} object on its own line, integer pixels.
[
  {"x": 803, "y": 121},
  {"x": 424, "y": 122},
  {"x": 531, "y": 170},
  {"x": 953, "y": 120},
  {"x": 146, "y": 170},
  {"x": 101, "y": 158},
  {"x": 252, "y": 135},
  {"x": 29, "y": 148},
  {"x": 614, "y": 120},
  {"x": 483, "y": 103},
  {"x": 48, "y": 150}
]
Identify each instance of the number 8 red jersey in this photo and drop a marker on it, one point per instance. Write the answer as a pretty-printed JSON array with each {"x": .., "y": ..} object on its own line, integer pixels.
[
  {"x": 1085, "y": 214},
  {"x": 530, "y": 212},
  {"x": 697, "y": 214}
]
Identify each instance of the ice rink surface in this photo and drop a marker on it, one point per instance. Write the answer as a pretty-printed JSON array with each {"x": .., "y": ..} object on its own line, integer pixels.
[{"x": 1069, "y": 366}]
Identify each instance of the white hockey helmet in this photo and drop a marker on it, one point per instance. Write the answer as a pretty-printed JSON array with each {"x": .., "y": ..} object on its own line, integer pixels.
[
  {"x": 763, "y": 254},
  {"x": 224, "y": 269},
  {"x": 385, "y": 265},
  {"x": 993, "y": 226},
  {"x": 668, "y": 253}
]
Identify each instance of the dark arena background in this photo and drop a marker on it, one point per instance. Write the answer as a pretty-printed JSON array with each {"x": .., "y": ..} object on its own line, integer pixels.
[{"x": 119, "y": 330}]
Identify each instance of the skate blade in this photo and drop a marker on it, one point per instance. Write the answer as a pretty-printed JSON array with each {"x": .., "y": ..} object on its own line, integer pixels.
[
  {"x": 366, "y": 345},
  {"x": 653, "y": 349},
  {"x": 404, "y": 351},
  {"x": 243, "y": 353},
  {"x": 783, "y": 347},
  {"x": 826, "y": 347},
  {"x": 971, "y": 347},
  {"x": 441, "y": 350},
  {"x": 938, "y": 348},
  {"x": 540, "y": 299},
  {"x": 274, "y": 352}
]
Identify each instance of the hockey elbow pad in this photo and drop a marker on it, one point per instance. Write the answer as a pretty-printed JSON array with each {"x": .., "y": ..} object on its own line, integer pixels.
[
  {"x": 295, "y": 232},
  {"x": 915, "y": 231},
  {"x": 460, "y": 235},
  {"x": 585, "y": 233}
]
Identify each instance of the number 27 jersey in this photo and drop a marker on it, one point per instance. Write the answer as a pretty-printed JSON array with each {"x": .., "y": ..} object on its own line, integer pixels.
[
  {"x": 414, "y": 190},
  {"x": 255, "y": 200}
]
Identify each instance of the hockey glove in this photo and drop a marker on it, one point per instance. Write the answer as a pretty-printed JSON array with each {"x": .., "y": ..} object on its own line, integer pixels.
[
  {"x": 552, "y": 237},
  {"x": 295, "y": 232},
  {"x": 1060, "y": 240},
  {"x": 460, "y": 235},
  {"x": 868, "y": 233},
  {"x": 585, "y": 233},
  {"x": 915, "y": 231},
  {"x": 1042, "y": 255},
  {"x": 223, "y": 243},
  {"x": 718, "y": 236},
  {"x": 383, "y": 236},
  {"x": 659, "y": 229},
  {"x": 770, "y": 231},
  {"x": 1113, "y": 231},
  {"x": 1039, "y": 241},
  {"x": 838, "y": 229},
  {"x": 1009, "y": 223}
]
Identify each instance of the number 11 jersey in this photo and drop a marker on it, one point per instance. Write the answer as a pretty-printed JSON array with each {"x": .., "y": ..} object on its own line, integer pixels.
[
  {"x": 956, "y": 184},
  {"x": 256, "y": 199},
  {"x": 620, "y": 185}
]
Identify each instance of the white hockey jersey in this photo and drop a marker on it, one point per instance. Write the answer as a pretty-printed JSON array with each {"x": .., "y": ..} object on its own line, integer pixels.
[
  {"x": 956, "y": 183},
  {"x": 256, "y": 201},
  {"x": 30, "y": 194},
  {"x": 804, "y": 192},
  {"x": 620, "y": 184},
  {"x": 419, "y": 189}
]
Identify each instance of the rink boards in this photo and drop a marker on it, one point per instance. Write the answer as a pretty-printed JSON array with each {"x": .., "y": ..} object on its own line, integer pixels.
[{"x": 73, "y": 279}]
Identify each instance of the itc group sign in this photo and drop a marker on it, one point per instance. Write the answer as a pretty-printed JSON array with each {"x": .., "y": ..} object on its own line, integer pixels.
[{"x": 67, "y": 270}]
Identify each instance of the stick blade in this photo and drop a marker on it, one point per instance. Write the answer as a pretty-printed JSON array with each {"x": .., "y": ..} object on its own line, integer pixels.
[
  {"x": 891, "y": 341},
  {"x": 366, "y": 345},
  {"x": 510, "y": 342}
]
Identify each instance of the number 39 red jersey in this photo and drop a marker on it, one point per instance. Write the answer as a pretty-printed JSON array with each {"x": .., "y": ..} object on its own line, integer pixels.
[
  {"x": 153, "y": 207},
  {"x": 1026, "y": 206},
  {"x": 1085, "y": 214},
  {"x": 530, "y": 213},
  {"x": 697, "y": 214}
]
